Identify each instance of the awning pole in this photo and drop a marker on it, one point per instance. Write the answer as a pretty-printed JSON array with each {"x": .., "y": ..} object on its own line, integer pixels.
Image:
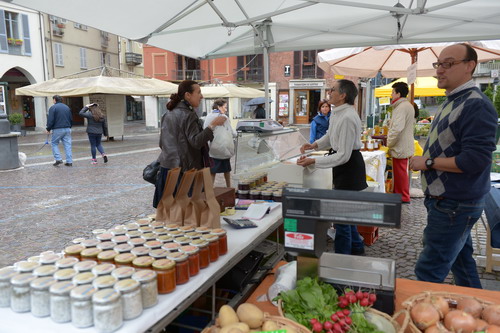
[{"x": 266, "y": 81}]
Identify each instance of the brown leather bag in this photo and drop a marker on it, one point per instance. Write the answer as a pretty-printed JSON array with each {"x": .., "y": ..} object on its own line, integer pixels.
[
  {"x": 167, "y": 199},
  {"x": 181, "y": 197}
]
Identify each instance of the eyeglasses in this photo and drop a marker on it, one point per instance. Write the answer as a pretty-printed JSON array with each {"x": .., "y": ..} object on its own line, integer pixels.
[{"x": 447, "y": 64}]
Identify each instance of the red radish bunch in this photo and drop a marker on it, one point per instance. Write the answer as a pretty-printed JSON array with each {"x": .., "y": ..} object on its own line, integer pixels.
[
  {"x": 340, "y": 323},
  {"x": 351, "y": 297}
]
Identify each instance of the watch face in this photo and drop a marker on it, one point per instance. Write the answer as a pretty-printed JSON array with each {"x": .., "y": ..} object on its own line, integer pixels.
[{"x": 428, "y": 163}]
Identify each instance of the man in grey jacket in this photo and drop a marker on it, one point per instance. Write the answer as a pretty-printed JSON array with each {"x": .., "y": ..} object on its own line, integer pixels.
[{"x": 59, "y": 122}]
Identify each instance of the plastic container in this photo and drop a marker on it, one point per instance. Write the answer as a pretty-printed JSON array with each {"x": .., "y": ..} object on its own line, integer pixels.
[
  {"x": 123, "y": 273},
  {"x": 143, "y": 262},
  {"x": 165, "y": 270},
  {"x": 131, "y": 298},
  {"x": 107, "y": 256},
  {"x": 149, "y": 287},
  {"x": 60, "y": 302},
  {"x": 81, "y": 306},
  {"x": 204, "y": 252},
  {"x": 124, "y": 259},
  {"x": 244, "y": 185},
  {"x": 103, "y": 269},
  {"x": 83, "y": 278},
  {"x": 85, "y": 266},
  {"x": 40, "y": 296},
  {"x": 107, "y": 310},
  {"x": 6, "y": 273},
  {"x": 181, "y": 267},
  {"x": 267, "y": 195},
  {"x": 222, "y": 234},
  {"x": 243, "y": 194},
  {"x": 278, "y": 196},
  {"x": 255, "y": 195},
  {"x": 20, "y": 299},
  {"x": 193, "y": 253}
]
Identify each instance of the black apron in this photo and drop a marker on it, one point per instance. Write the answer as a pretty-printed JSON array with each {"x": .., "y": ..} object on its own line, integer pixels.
[{"x": 351, "y": 175}]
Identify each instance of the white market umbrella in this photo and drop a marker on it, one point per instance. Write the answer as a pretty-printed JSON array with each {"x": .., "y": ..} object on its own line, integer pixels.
[{"x": 230, "y": 90}]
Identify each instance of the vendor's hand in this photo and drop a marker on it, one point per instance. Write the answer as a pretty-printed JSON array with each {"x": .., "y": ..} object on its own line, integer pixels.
[
  {"x": 305, "y": 161},
  {"x": 418, "y": 163},
  {"x": 218, "y": 121},
  {"x": 308, "y": 146}
]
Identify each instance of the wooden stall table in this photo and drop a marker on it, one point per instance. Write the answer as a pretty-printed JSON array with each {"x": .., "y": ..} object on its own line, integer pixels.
[{"x": 404, "y": 289}]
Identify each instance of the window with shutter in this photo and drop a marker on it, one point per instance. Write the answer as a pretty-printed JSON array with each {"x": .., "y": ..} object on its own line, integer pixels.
[
  {"x": 58, "y": 54},
  {"x": 297, "y": 64},
  {"x": 3, "y": 33},
  {"x": 83, "y": 58},
  {"x": 26, "y": 34}
]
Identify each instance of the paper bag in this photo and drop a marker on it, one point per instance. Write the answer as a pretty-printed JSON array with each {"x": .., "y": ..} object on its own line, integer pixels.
[
  {"x": 197, "y": 204},
  {"x": 181, "y": 197},
  {"x": 167, "y": 198},
  {"x": 210, "y": 216}
]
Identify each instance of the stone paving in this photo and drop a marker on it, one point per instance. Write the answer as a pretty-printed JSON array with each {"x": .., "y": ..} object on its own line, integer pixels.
[{"x": 44, "y": 207}]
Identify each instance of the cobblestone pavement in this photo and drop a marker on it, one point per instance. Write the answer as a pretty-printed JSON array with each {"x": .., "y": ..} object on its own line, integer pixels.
[{"x": 45, "y": 207}]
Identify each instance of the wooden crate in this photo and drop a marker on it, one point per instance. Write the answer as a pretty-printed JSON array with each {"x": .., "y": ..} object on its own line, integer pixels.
[{"x": 369, "y": 234}]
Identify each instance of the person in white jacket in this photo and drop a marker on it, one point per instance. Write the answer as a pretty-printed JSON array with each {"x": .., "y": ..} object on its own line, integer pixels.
[{"x": 222, "y": 146}]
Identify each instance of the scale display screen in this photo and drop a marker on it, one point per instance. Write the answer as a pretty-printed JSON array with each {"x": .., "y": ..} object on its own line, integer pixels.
[{"x": 347, "y": 207}]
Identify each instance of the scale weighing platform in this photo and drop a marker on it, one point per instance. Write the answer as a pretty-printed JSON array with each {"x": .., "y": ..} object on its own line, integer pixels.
[{"x": 309, "y": 213}]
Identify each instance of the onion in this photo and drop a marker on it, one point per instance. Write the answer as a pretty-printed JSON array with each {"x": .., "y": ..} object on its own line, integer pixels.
[
  {"x": 460, "y": 321},
  {"x": 491, "y": 314},
  {"x": 438, "y": 328},
  {"x": 481, "y": 325},
  {"x": 424, "y": 315},
  {"x": 440, "y": 304},
  {"x": 470, "y": 305},
  {"x": 492, "y": 329}
]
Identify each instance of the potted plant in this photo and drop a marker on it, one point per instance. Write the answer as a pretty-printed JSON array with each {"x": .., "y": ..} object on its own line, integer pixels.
[
  {"x": 10, "y": 40},
  {"x": 61, "y": 25},
  {"x": 18, "y": 42},
  {"x": 15, "y": 120}
]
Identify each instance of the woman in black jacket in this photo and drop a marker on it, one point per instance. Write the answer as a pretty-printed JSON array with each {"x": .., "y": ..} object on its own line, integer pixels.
[{"x": 96, "y": 127}]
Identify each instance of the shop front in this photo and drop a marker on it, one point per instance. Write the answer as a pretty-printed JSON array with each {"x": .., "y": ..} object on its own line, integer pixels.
[{"x": 304, "y": 98}]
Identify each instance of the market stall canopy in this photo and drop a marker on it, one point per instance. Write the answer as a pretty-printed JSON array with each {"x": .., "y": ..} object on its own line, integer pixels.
[
  {"x": 99, "y": 85},
  {"x": 393, "y": 60},
  {"x": 424, "y": 86},
  {"x": 230, "y": 90},
  {"x": 211, "y": 29}
]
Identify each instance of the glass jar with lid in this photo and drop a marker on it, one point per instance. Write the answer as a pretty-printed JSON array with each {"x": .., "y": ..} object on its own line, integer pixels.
[
  {"x": 172, "y": 226},
  {"x": 122, "y": 273},
  {"x": 277, "y": 196},
  {"x": 136, "y": 242},
  {"x": 118, "y": 231},
  {"x": 182, "y": 240},
  {"x": 68, "y": 262},
  {"x": 96, "y": 232},
  {"x": 104, "y": 237},
  {"x": 146, "y": 229},
  {"x": 77, "y": 240},
  {"x": 108, "y": 245},
  {"x": 149, "y": 287},
  {"x": 85, "y": 266},
  {"x": 186, "y": 228},
  {"x": 6, "y": 273},
  {"x": 65, "y": 274},
  {"x": 244, "y": 185},
  {"x": 49, "y": 259},
  {"x": 143, "y": 262},
  {"x": 193, "y": 253},
  {"x": 222, "y": 234},
  {"x": 149, "y": 236},
  {"x": 20, "y": 300},
  {"x": 181, "y": 267},
  {"x": 176, "y": 233},
  {"x": 40, "y": 296},
  {"x": 204, "y": 252},
  {"x": 171, "y": 247},
  {"x": 74, "y": 250},
  {"x": 108, "y": 311},
  {"x": 130, "y": 291},
  {"x": 160, "y": 231},
  {"x": 103, "y": 269},
  {"x": 153, "y": 244},
  {"x": 143, "y": 222},
  {"x": 133, "y": 234},
  {"x": 45, "y": 270},
  {"x": 124, "y": 259},
  {"x": 165, "y": 239},
  {"x": 90, "y": 242},
  {"x": 107, "y": 256},
  {"x": 34, "y": 258},
  {"x": 213, "y": 246},
  {"x": 131, "y": 226},
  {"x": 26, "y": 266},
  {"x": 156, "y": 224},
  {"x": 123, "y": 248},
  {"x": 120, "y": 239},
  {"x": 165, "y": 269},
  {"x": 81, "y": 306},
  {"x": 83, "y": 278},
  {"x": 104, "y": 281},
  {"x": 255, "y": 195},
  {"x": 158, "y": 253},
  {"x": 203, "y": 230},
  {"x": 60, "y": 302},
  {"x": 193, "y": 235},
  {"x": 90, "y": 253},
  {"x": 140, "y": 251},
  {"x": 243, "y": 194}
]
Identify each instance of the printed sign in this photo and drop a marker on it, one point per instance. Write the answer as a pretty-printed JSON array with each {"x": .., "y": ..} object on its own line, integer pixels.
[{"x": 299, "y": 240}]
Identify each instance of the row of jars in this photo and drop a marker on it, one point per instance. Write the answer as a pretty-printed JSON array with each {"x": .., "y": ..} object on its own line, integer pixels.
[
  {"x": 103, "y": 297},
  {"x": 268, "y": 191},
  {"x": 252, "y": 181}
]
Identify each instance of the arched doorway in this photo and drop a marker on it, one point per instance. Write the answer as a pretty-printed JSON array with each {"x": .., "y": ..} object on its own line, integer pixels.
[{"x": 15, "y": 78}]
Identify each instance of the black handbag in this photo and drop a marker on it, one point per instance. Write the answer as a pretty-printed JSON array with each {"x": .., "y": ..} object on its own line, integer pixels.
[{"x": 150, "y": 172}]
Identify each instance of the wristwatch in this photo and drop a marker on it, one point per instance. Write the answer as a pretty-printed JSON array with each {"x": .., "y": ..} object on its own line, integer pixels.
[{"x": 429, "y": 163}]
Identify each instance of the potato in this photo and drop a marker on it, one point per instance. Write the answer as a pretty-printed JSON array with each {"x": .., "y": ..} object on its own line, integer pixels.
[
  {"x": 250, "y": 314},
  {"x": 239, "y": 326},
  {"x": 227, "y": 316},
  {"x": 269, "y": 325}
]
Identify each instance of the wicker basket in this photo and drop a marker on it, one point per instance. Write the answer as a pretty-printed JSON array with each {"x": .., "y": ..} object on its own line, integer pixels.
[
  {"x": 450, "y": 297},
  {"x": 281, "y": 321},
  {"x": 391, "y": 321}
]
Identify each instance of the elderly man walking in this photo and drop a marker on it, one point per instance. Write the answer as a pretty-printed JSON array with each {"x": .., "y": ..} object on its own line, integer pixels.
[{"x": 456, "y": 170}]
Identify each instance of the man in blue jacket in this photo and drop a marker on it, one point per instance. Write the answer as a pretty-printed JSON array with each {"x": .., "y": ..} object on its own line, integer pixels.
[
  {"x": 456, "y": 170},
  {"x": 59, "y": 122}
]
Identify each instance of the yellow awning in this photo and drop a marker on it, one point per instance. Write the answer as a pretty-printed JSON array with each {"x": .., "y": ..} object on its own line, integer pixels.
[{"x": 424, "y": 86}]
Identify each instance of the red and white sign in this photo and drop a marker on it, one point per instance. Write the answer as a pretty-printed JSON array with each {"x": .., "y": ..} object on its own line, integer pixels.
[{"x": 299, "y": 240}]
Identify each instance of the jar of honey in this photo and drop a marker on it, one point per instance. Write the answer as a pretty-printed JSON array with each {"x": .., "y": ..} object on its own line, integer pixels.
[
  {"x": 107, "y": 256},
  {"x": 103, "y": 269},
  {"x": 193, "y": 258},
  {"x": 181, "y": 267},
  {"x": 124, "y": 259},
  {"x": 222, "y": 234},
  {"x": 165, "y": 270},
  {"x": 140, "y": 251},
  {"x": 90, "y": 253},
  {"x": 74, "y": 251},
  {"x": 143, "y": 262}
]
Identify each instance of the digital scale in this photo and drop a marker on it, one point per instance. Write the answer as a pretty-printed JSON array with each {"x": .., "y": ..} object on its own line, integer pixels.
[
  {"x": 309, "y": 213},
  {"x": 258, "y": 125}
]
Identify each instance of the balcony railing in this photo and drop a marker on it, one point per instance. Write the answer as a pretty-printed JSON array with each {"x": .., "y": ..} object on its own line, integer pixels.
[
  {"x": 188, "y": 74},
  {"x": 250, "y": 74},
  {"x": 133, "y": 59}
]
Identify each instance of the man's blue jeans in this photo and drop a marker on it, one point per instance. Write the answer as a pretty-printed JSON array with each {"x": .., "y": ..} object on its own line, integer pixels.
[
  {"x": 64, "y": 135},
  {"x": 448, "y": 243},
  {"x": 347, "y": 238}
]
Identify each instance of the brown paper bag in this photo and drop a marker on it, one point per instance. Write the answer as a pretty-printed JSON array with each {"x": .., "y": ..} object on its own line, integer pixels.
[
  {"x": 210, "y": 216},
  {"x": 197, "y": 204},
  {"x": 181, "y": 197},
  {"x": 167, "y": 198}
]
